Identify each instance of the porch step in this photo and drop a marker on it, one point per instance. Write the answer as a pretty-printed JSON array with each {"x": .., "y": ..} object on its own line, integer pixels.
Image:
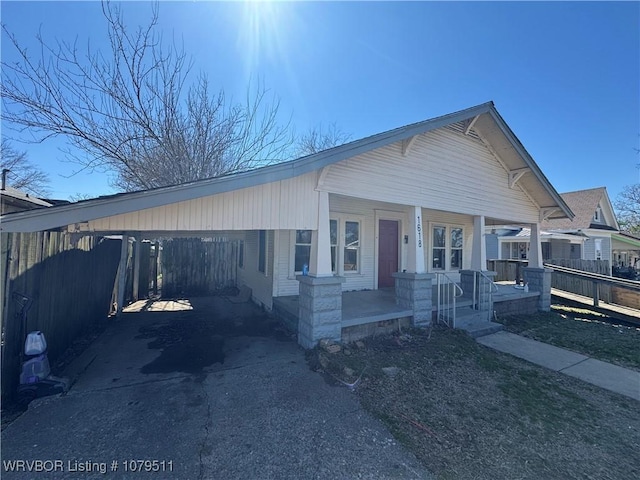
[
  {"x": 477, "y": 330},
  {"x": 466, "y": 316}
]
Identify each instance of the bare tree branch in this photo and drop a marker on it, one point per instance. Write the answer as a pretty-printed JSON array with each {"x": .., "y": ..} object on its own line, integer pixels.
[
  {"x": 130, "y": 110},
  {"x": 628, "y": 208},
  {"x": 23, "y": 174},
  {"x": 318, "y": 139}
]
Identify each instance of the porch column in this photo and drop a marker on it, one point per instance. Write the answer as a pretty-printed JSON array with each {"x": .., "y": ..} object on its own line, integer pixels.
[
  {"x": 535, "y": 247},
  {"x": 320, "y": 261},
  {"x": 539, "y": 280},
  {"x": 122, "y": 272},
  {"x": 479, "y": 246},
  {"x": 415, "y": 255}
]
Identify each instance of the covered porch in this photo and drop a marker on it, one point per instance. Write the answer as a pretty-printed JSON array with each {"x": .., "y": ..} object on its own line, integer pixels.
[{"x": 369, "y": 312}]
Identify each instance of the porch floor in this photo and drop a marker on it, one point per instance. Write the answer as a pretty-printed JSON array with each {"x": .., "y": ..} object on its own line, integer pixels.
[
  {"x": 358, "y": 308},
  {"x": 369, "y": 306}
]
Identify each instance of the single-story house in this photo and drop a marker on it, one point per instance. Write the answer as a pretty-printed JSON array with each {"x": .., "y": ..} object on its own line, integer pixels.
[
  {"x": 588, "y": 236},
  {"x": 395, "y": 213},
  {"x": 625, "y": 250},
  {"x": 14, "y": 200}
]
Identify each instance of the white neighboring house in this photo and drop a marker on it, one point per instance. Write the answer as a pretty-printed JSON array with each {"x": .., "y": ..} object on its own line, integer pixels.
[
  {"x": 588, "y": 236},
  {"x": 392, "y": 210}
]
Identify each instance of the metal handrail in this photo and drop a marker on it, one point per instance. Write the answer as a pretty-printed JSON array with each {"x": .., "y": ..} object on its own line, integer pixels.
[{"x": 446, "y": 310}]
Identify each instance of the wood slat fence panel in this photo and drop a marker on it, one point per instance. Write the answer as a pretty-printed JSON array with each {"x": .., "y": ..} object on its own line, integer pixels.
[
  {"x": 71, "y": 285},
  {"x": 194, "y": 266},
  {"x": 580, "y": 286}
]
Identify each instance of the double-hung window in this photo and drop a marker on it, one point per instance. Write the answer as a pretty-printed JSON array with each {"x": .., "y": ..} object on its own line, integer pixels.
[
  {"x": 345, "y": 238},
  {"x": 303, "y": 249},
  {"x": 447, "y": 247}
]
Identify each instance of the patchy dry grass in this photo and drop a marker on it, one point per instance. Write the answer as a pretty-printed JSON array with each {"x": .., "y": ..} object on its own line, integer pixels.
[
  {"x": 468, "y": 412},
  {"x": 582, "y": 331}
]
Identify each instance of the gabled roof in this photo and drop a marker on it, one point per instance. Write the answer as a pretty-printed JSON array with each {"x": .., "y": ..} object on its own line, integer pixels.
[
  {"x": 482, "y": 117},
  {"x": 584, "y": 204}
]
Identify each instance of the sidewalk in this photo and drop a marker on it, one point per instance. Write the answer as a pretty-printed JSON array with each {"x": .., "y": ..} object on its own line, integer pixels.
[{"x": 605, "y": 375}]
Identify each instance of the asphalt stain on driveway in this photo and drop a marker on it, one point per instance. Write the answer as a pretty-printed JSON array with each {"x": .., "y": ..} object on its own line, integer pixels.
[
  {"x": 188, "y": 345},
  {"x": 193, "y": 340}
]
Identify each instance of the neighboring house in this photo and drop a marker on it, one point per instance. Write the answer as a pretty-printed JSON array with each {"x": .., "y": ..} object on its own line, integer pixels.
[
  {"x": 393, "y": 210},
  {"x": 14, "y": 200},
  {"x": 512, "y": 243},
  {"x": 625, "y": 250},
  {"x": 588, "y": 236}
]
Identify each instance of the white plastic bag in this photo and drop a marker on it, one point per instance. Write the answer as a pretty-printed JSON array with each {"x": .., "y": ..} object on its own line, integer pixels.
[{"x": 35, "y": 344}]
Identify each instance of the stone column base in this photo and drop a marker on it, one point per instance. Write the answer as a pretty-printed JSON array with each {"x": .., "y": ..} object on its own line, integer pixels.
[
  {"x": 413, "y": 291},
  {"x": 539, "y": 280},
  {"x": 319, "y": 310}
]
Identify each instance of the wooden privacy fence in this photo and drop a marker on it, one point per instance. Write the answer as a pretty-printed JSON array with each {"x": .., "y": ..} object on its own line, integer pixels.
[
  {"x": 506, "y": 270},
  {"x": 599, "y": 281},
  {"x": 195, "y": 266},
  {"x": 70, "y": 284},
  {"x": 577, "y": 284}
]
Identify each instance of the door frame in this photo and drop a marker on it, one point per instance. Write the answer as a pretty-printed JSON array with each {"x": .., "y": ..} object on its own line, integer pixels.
[{"x": 401, "y": 218}]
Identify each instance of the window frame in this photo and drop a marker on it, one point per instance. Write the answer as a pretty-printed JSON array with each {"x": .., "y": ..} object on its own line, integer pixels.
[
  {"x": 341, "y": 219},
  {"x": 448, "y": 227},
  {"x": 295, "y": 245}
]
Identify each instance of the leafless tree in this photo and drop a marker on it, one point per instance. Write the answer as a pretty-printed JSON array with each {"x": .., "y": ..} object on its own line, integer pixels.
[
  {"x": 628, "y": 208},
  {"x": 23, "y": 174},
  {"x": 319, "y": 138},
  {"x": 131, "y": 112}
]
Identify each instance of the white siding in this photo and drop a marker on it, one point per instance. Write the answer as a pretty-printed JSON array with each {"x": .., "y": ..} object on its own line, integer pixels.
[
  {"x": 443, "y": 170},
  {"x": 434, "y": 217},
  {"x": 260, "y": 284},
  {"x": 589, "y": 252},
  {"x": 291, "y": 203},
  {"x": 365, "y": 211}
]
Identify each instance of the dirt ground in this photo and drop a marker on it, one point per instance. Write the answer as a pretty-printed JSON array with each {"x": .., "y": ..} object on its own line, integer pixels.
[{"x": 468, "y": 412}]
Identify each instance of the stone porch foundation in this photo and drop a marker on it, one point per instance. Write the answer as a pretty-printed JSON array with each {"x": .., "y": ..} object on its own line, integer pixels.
[
  {"x": 414, "y": 292},
  {"x": 319, "y": 310},
  {"x": 539, "y": 280}
]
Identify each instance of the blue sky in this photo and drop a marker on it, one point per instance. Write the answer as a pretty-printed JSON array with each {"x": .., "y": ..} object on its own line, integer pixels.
[{"x": 565, "y": 76}]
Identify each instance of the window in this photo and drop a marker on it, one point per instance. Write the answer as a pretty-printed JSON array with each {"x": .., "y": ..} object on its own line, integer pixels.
[
  {"x": 447, "y": 247},
  {"x": 345, "y": 242},
  {"x": 333, "y": 234},
  {"x": 241, "y": 254},
  {"x": 351, "y": 246},
  {"x": 598, "y": 243},
  {"x": 439, "y": 248},
  {"x": 597, "y": 215},
  {"x": 456, "y": 248},
  {"x": 303, "y": 249},
  {"x": 262, "y": 251}
]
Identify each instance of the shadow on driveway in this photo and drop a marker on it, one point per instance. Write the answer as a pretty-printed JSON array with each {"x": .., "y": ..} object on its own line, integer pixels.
[{"x": 213, "y": 391}]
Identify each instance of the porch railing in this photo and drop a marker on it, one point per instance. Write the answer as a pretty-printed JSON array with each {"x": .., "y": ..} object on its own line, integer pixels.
[{"x": 448, "y": 292}]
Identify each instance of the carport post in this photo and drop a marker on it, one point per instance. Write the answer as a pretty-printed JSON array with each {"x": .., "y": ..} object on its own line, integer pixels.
[
  {"x": 136, "y": 268},
  {"x": 122, "y": 272}
]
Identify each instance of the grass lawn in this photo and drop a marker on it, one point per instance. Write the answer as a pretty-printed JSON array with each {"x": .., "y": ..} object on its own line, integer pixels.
[
  {"x": 582, "y": 331},
  {"x": 468, "y": 412}
]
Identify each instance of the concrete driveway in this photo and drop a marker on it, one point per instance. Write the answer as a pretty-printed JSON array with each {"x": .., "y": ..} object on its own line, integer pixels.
[{"x": 213, "y": 392}]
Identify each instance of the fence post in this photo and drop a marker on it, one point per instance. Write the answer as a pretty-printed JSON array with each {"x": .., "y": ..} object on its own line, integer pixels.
[{"x": 595, "y": 294}]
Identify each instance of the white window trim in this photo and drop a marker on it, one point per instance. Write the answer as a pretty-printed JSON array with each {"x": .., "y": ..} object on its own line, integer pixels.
[
  {"x": 447, "y": 246},
  {"x": 341, "y": 218}
]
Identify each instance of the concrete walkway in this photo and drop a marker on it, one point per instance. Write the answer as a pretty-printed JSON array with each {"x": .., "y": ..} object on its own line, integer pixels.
[{"x": 605, "y": 375}]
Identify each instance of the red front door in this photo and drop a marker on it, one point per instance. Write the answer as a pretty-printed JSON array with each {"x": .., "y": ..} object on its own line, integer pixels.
[{"x": 387, "y": 252}]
